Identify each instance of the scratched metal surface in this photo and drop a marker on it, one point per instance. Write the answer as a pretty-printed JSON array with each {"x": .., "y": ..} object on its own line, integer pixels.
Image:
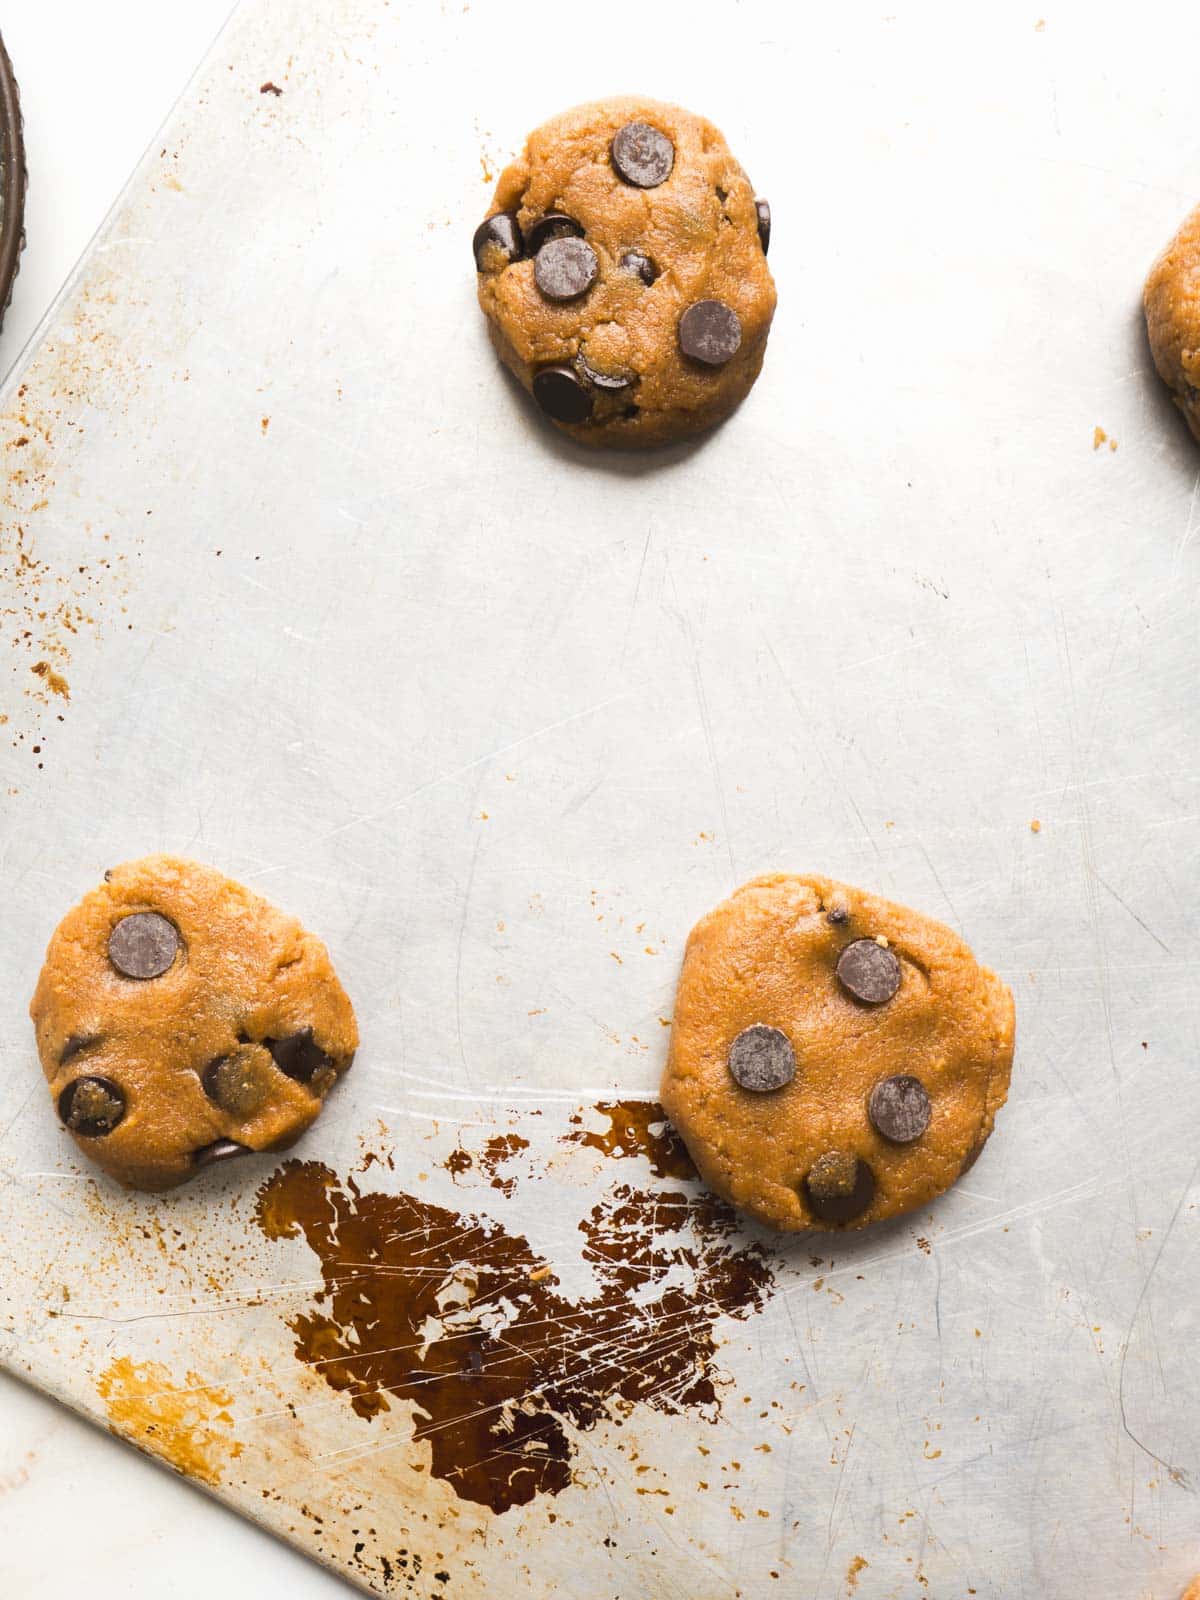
[{"x": 500, "y": 720}]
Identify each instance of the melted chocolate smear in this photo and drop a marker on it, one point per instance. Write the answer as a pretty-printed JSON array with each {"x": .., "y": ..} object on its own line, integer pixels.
[{"x": 462, "y": 1319}]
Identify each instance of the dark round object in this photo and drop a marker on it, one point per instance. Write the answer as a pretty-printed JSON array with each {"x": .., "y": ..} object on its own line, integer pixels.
[
  {"x": 503, "y": 233},
  {"x": 640, "y": 265},
  {"x": 563, "y": 394},
  {"x": 238, "y": 1083},
  {"x": 564, "y": 269},
  {"x": 869, "y": 971},
  {"x": 143, "y": 945},
  {"x": 840, "y": 1187},
  {"x": 92, "y": 1107},
  {"x": 12, "y": 181},
  {"x": 761, "y": 1059},
  {"x": 763, "y": 210},
  {"x": 554, "y": 225},
  {"x": 710, "y": 332},
  {"x": 837, "y": 916},
  {"x": 299, "y": 1056},
  {"x": 899, "y": 1108},
  {"x": 642, "y": 155},
  {"x": 218, "y": 1150},
  {"x": 603, "y": 380}
]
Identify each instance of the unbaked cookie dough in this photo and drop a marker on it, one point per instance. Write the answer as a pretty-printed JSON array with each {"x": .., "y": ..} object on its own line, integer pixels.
[
  {"x": 623, "y": 272},
  {"x": 182, "y": 1020},
  {"x": 1172, "y": 302},
  {"x": 835, "y": 1059}
]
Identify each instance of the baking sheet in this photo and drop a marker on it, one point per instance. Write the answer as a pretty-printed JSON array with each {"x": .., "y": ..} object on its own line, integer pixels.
[{"x": 320, "y": 602}]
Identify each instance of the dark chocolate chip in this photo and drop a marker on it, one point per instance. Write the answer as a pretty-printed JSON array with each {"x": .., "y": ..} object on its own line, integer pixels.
[
  {"x": 500, "y": 233},
  {"x": 761, "y": 1059},
  {"x": 840, "y": 1187},
  {"x": 218, "y": 1150},
  {"x": 838, "y": 915},
  {"x": 92, "y": 1107},
  {"x": 640, "y": 265},
  {"x": 603, "y": 380},
  {"x": 76, "y": 1043},
  {"x": 143, "y": 945},
  {"x": 562, "y": 394},
  {"x": 565, "y": 268},
  {"x": 642, "y": 155},
  {"x": 710, "y": 332},
  {"x": 299, "y": 1056},
  {"x": 869, "y": 971},
  {"x": 763, "y": 210},
  {"x": 239, "y": 1083},
  {"x": 554, "y": 225},
  {"x": 899, "y": 1108}
]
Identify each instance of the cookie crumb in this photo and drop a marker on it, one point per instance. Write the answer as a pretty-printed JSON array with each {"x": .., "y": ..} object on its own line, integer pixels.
[
  {"x": 1035, "y": 826},
  {"x": 270, "y": 88}
]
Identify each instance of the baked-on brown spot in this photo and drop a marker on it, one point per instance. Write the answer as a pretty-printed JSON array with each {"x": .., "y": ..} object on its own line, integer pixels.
[
  {"x": 189, "y": 1424},
  {"x": 408, "y": 1287}
]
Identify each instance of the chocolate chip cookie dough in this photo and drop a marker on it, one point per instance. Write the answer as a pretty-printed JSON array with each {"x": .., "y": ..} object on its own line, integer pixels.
[
  {"x": 182, "y": 1020},
  {"x": 623, "y": 272},
  {"x": 835, "y": 1059},
  {"x": 1172, "y": 304}
]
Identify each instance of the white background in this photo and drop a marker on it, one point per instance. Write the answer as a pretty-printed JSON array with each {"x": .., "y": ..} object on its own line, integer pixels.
[{"x": 96, "y": 82}]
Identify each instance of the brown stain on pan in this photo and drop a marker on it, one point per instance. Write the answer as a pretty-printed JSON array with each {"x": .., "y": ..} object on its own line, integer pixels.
[
  {"x": 462, "y": 1319},
  {"x": 190, "y": 1425}
]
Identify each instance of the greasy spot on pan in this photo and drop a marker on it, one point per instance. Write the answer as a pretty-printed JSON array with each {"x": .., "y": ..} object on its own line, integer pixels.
[
  {"x": 637, "y": 1128},
  {"x": 188, "y": 1424},
  {"x": 465, "y": 1322}
]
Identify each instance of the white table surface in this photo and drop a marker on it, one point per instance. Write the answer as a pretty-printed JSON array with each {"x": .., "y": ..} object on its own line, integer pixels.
[{"x": 96, "y": 82}]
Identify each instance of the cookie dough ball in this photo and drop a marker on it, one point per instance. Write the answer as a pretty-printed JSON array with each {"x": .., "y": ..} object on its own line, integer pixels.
[
  {"x": 1172, "y": 302},
  {"x": 182, "y": 1020},
  {"x": 835, "y": 1059},
  {"x": 623, "y": 272}
]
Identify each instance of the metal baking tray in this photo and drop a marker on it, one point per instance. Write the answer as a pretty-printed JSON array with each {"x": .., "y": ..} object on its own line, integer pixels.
[{"x": 293, "y": 581}]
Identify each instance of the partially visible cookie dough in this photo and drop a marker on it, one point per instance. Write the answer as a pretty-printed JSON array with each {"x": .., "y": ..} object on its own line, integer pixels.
[
  {"x": 835, "y": 1059},
  {"x": 182, "y": 1020},
  {"x": 1172, "y": 302},
  {"x": 623, "y": 273}
]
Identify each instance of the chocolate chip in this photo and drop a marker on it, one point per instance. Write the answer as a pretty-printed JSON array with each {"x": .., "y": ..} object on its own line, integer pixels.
[
  {"x": 869, "y": 971},
  {"x": 143, "y": 945},
  {"x": 840, "y": 1187},
  {"x": 763, "y": 210},
  {"x": 218, "y": 1150},
  {"x": 239, "y": 1083},
  {"x": 642, "y": 155},
  {"x": 565, "y": 268},
  {"x": 838, "y": 915},
  {"x": 562, "y": 394},
  {"x": 554, "y": 225},
  {"x": 899, "y": 1108},
  {"x": 761, "y": 1059},
  {"x": 710, "y": 332},
  {"x": 640, "y": 265},
  {"x": 603, "y": 380},
  {"x": 92, "y": 1107},
  {"x": 500, "y": 233},
  {"x": 76, "y": 1043},
  {"x": 299, "y": 1056}
]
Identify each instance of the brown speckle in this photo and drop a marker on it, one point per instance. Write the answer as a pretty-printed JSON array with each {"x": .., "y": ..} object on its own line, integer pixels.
[
  {"x": 54, "y": 681},
  {"x": 270, "y": 88}
]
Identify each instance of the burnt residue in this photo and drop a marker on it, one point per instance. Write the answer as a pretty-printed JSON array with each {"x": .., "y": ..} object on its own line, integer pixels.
[
  {"x": 637, "y": 1128},
  {"x": 464, "y": 1320}
]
